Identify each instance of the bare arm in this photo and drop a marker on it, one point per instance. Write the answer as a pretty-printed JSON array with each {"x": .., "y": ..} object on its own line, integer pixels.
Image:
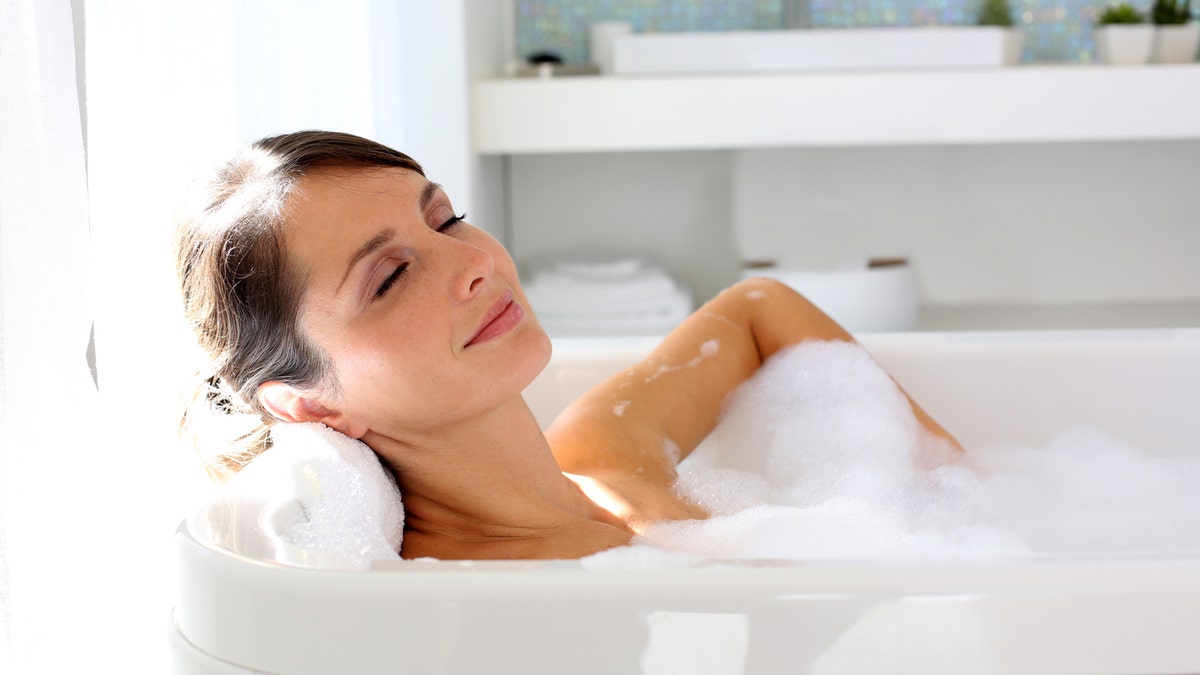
[{"x": 675, "y": 395}]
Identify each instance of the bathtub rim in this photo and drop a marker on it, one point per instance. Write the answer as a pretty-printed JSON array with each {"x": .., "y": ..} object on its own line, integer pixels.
[{"x": 1176, "y": 572}]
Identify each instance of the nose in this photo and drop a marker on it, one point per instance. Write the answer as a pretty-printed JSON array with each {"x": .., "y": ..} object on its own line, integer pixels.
[{"x": 475, "y": 268}]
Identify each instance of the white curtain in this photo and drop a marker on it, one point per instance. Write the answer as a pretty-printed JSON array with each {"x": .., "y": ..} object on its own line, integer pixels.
[
  {"x": 52, "y": 554},
  {"x": 93, "y": 484}
]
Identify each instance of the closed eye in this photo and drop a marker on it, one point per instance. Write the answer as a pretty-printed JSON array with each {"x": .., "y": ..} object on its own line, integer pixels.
[
  {"x": 392, "y": 278},
  {"x": 390, "y": 281},
  {"x": 450, "y": 224}
]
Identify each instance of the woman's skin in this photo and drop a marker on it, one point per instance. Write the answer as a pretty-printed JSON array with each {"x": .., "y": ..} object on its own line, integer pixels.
[{"x": 432, "y": 341}]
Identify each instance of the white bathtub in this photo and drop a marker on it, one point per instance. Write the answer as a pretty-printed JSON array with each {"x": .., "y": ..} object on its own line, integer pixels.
[{"x": 237, "y": 611}]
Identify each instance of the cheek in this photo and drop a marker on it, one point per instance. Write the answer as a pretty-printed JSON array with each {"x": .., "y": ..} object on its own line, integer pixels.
[
  {"x": 389, "y": 389},
  {"x": 367, "y": 362}
]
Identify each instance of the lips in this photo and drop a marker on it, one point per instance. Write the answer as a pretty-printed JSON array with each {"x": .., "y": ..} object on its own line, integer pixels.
[{"x": 501, "y": 317}]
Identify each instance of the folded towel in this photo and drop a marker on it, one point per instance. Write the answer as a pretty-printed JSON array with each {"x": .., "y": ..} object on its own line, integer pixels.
[
  {"x": 587, "y": 294},
  {"x": 602, "y": 267},
  {"x": 321, "y": 499}
]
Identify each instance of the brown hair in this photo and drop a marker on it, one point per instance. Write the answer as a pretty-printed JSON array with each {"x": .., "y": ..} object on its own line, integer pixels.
[{"x": 241, "y": 295}]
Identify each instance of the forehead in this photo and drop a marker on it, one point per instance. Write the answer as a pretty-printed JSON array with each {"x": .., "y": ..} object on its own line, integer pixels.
[
  {"x": 334, "y": 190},
  {"x": 337, "y": 206}
]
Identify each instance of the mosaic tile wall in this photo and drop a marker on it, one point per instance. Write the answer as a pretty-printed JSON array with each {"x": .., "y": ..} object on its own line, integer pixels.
[{"x": 1056, "y": 30}]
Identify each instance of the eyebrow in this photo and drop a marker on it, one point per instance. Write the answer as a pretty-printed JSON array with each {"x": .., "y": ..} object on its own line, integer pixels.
[
  {"x": 427, "y": 194},
  {"x": 384, "y": 236}
]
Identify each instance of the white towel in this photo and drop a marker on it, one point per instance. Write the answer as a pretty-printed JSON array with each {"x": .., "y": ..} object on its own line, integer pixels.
[
  {"x": 320, "y": 499},
  {"x": 590, "y": 295}
]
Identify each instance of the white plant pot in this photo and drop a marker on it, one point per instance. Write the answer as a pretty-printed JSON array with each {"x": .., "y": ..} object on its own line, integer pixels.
[
  {"x": 1176, "y": 44},
  {"x": 1013, "y": 44},
  {"x": 1124, "y": 45}
]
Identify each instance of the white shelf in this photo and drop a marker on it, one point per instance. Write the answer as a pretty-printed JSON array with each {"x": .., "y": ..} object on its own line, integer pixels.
[{"x": 1001, "y": 105}]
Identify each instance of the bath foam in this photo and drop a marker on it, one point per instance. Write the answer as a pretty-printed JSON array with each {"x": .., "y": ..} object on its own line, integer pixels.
[
  {"x": 707, "y": 349},
  {"x": 819, "y": 456}
]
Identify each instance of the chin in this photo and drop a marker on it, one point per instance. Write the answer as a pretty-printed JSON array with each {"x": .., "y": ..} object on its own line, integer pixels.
[{"x": 540, "y": 349}]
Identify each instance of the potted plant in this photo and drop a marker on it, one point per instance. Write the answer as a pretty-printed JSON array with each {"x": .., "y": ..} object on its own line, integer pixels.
[
  {"x": 999, "y": 13},
  {"x": 1176, "y": 36},
  {"x": 1122, "y": 35}
]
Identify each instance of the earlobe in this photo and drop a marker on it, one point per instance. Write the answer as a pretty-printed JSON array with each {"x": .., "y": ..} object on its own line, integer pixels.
[
  {"x": 339, "y": 422},
  {"x": 292, "y": 405}
]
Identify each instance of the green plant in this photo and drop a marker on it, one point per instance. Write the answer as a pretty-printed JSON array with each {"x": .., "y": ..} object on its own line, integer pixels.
[
  {"x": 1171, "y": 12},
  {"x": 998, "y": 13},
  {"x": 1123, "y": 13}
]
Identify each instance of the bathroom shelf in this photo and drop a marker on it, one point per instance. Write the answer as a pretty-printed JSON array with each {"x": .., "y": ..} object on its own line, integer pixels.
[{"x": 1024, "y": 104}]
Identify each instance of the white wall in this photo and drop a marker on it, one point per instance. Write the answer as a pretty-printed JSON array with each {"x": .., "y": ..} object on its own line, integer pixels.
[{"x": 489, "y": 39}]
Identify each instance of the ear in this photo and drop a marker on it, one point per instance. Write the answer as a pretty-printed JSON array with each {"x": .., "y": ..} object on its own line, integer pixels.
[{"x": 289, "y": 404}]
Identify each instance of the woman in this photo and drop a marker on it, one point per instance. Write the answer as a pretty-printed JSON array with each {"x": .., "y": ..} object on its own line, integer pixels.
[{"x": 329, "y": 281}]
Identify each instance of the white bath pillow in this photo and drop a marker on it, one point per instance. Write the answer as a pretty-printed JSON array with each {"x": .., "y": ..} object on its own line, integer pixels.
[{"x": 320, "y": 499}]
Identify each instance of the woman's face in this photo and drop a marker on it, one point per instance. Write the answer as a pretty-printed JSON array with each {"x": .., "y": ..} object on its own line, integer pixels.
[{"x": 420, "y": 314}]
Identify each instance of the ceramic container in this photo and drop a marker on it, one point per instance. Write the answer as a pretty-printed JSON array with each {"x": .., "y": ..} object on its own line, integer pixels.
[
  {"x": 1176, "y": 44},
  {"x": 1124, "y": 44}
]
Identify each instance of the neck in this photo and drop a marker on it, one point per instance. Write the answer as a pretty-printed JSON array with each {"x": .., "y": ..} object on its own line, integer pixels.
[{"x": 488, "y": 482}]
